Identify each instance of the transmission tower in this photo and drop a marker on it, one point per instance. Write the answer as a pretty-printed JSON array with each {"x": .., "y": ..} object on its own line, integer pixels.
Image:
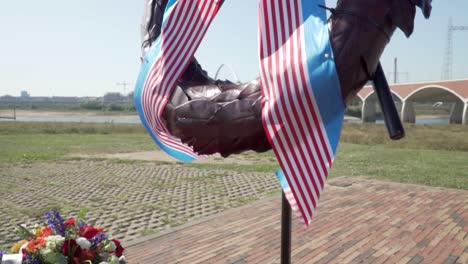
[
  {"x": 124, "y": 85},
  {"x": 448, "y": 56}
]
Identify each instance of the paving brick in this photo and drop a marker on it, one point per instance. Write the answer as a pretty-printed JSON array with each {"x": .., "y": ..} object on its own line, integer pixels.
[
  {"x": 416, "y": 259},
  {"x": 451, "y": 260},
  {"x": 342, "y": 231},
  {"x": 363, "y": 222},
  {"x": 127, "y": 199}
]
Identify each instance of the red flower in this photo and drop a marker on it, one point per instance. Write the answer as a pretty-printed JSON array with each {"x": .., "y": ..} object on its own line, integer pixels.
[
  {"x": 36, "y": 244},
  {"x": 70, "y": 221},
  {"x": 87, "y": 255},
  {"x": 89, "y": 232},
  {"x": 25, "y": 253},
  {"x": 119, "y": 250},
  {"x": 69, "y": 246},
  {"x": 44, "y": 232}
]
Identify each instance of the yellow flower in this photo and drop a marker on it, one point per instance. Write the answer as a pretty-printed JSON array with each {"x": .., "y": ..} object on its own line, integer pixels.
[
  {"x": 16, "y": 247},
  {"x": 38, "y": 232}
]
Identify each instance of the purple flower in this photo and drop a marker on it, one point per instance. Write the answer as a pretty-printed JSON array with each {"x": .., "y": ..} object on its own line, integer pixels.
[
  {"x": 1, "y": 255},
  {"x": 55, "y": 222},
  {"x": 95, "y": 241},
  {"x": 81, "y": 223},
  {"x": 31, "y": 259}
]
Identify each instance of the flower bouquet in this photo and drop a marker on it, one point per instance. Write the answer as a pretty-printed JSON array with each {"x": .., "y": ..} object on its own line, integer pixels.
[{"x": 71, "y": 241}]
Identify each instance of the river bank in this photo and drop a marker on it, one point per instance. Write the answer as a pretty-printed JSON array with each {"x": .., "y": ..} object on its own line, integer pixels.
[
  {"x": 72, "y": 116},
  {"x": 132, "y": 118}
]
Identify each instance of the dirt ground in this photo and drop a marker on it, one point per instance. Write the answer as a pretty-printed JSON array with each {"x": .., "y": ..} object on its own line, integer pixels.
[{"x": 158, "y": 155}]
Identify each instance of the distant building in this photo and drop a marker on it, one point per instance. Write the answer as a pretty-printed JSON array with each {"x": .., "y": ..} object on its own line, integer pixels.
[
  {"x": 66, "y": 99},
  {"x": 7, "y": 98},
  {"x": 113, "y": 97},
  {"x": 25, "y": 94},
  {"x": 26, "y": 99}
]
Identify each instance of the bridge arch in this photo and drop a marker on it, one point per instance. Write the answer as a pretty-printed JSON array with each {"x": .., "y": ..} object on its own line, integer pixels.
[
  {"x": 370, "y": 102},
  {"x": 435, "y": 93}
]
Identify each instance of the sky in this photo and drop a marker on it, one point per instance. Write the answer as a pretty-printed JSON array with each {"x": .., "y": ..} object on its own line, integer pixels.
[{"x": 84, "y": 48}]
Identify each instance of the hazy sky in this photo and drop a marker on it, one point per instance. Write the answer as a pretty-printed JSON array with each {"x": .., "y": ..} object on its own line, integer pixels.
[{"x": 83, "y": 48}]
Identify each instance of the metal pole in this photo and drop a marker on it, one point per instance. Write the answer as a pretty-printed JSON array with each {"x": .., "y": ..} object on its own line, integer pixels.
[
  {"x": 285, "y": 231},
  {"x": 389, "y": 111}
]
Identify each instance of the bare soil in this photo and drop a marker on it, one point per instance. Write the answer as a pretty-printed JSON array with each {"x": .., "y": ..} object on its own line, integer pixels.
[{"x": 158, "y": 155}]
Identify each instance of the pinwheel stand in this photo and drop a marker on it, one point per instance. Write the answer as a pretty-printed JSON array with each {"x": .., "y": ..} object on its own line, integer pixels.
[
  {"x": 395, "y": 131},
  {"x": 285, "y": 231}
]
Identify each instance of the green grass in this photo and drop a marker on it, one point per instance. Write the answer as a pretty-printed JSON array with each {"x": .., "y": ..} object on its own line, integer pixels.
[
  {"x": 431, "y": 155},
  {"x": 31, "y": 142},
  {"x": 419, "y": 166},
  {"x": 434, "y": 137},
  {"x": 434, "y": 155},
  {"x": 16, "y": 128}
]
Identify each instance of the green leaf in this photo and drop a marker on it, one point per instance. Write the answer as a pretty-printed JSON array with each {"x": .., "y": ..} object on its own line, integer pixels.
[
  {"x": 24, "y": 233},
  {"x": 82, "y": 213}
]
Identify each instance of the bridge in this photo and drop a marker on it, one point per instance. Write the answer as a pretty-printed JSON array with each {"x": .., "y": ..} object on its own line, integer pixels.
[{"x": 453, "y": 93}]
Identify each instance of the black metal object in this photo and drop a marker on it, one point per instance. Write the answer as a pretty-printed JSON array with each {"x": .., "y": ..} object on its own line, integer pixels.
[
  {"x": 395, "y": 131},
  {"x": 285, "y": 231},
  {"x": 389, "y": 111}
]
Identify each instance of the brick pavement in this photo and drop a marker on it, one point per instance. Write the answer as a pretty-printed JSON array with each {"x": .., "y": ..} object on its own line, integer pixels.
[
  {"x": 129, "y": 200},
  {"x": 366, "y": 222}
]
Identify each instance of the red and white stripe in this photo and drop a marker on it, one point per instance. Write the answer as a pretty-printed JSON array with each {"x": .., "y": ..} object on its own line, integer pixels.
[
  {"x": 292, "y": 202},
  {"x": 290, "y": 115},
  {"x": 186, "y": 25}
]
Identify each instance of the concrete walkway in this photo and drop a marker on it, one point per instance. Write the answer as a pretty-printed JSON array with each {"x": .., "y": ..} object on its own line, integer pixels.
[{"x": 358, "y": 221}]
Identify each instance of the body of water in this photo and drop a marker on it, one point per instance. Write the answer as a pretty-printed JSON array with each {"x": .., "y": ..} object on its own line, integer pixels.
[
  {"x": 78, "y": 119},
  {"x": 422, "y": 121},
  {"x": 136, "y": 119}
]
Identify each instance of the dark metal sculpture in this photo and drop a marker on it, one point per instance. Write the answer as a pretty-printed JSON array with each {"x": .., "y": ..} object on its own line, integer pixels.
[{"x": 215, "y": 116}]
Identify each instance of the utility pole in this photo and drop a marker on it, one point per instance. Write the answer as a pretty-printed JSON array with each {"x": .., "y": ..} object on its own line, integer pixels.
[
  {"x": 124, "y": 85},
  {"x": 396, "y": 73}
]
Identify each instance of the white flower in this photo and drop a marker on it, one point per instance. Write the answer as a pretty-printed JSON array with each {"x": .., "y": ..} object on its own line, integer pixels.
[
  {"x": 110, "y": 247},
  {"x": 48, "y": 255},
  {"x": 83, "y": 243},
  {"x": 113, "y": 260},
  {"x": 54, "y": 241}
]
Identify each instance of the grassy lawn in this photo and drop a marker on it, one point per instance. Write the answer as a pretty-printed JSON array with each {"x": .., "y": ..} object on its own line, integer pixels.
[
  {"x": 430, "y": 155},
  {"x": 434, "y": 137},
  {"x": 420, "y": 166},
  {"x": 29, "y": 142}
]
